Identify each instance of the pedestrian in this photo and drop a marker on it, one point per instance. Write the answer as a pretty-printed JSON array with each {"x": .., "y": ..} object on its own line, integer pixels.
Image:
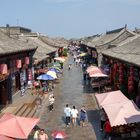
[
  {"x": 83, "y": 115},
  {"x": 103, "y": 118},
  {"x": 107, "y": 130},
  {"x": 36, "y": 134},
  {"x": 69, "y": 67},
  {"x": 74, "y": 57},
  {"x": 84, "y": 75},
  {"x": 42, "y": 135},
  {"x": 76, "y": 61},
  {"x": 74, "y": 114},
  {"x": 51, "y": 103},
  {"x": 67, "y": 111}
]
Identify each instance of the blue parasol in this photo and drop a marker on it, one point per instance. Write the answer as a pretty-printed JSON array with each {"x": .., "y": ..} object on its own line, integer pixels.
[
  {"x": 45, "y": 77},
  {"x": 55, "y": 70}
]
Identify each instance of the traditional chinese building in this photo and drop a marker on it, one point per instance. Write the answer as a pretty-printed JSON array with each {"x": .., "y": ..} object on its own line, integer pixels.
[
  {"x": 123, "y": 62},
  {"x": 109, "y": 39},
  {"x": 15, "y": 66}
]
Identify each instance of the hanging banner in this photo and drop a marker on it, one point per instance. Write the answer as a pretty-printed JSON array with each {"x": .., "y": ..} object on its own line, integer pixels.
[{"x": 30, "y": 75}]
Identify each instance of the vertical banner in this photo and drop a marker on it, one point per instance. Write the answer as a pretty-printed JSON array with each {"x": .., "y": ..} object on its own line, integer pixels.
[{"x": 30, "y": 77}]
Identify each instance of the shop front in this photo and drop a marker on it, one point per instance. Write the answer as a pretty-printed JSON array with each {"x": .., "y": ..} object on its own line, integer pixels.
[
  {"x": 123, "y": 76},
  {"x": 3, "y": 90}
]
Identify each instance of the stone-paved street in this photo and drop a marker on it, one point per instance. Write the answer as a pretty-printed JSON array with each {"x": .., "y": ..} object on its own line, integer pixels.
[{"x": 70, "y": 90}]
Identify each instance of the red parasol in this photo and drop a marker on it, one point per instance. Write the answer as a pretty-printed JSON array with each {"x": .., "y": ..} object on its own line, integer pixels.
[
  {"x": 16, "y": 127},
  {"x": 59, "y": 134}
]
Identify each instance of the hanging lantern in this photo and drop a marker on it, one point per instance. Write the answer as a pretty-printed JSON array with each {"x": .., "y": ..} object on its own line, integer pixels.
[
  {"x": 18, "y": 63},
  {"x": 130, "y": 83},
  {"x": 115, "y": 66},
  {"x": 130, "y": 88},
  {"x": 131, "y": 69},
  {"x": 121, "y": 76},
  {"x": 130, "y": 78},
  {"x": 27, "y": 61},
  {"x": 111, "y": 61},
  {"x": 3, "y": 69},
  {"x": 121, "y": 81},
  {"x": 131, "y": 73},
  {"x": 121, "y": 72}
]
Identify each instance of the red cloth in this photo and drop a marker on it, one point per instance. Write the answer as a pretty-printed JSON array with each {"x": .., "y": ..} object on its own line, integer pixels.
[{"x": 108, "y": 127}]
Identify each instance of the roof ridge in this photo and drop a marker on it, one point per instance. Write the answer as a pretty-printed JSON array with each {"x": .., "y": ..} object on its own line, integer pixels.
[
  {"x": 128, "y": 40},
  {"x": 115, "y": 30},
  {"x": 119, "y": 34}
]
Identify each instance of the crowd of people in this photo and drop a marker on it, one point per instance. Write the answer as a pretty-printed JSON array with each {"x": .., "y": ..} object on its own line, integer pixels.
[{"x": 71, "y": 115}]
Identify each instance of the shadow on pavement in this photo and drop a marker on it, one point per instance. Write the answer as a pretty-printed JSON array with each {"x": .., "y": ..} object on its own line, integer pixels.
[{"x": 94, "y": 119}]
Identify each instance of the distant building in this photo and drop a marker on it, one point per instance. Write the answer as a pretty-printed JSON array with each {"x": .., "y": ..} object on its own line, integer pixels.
[
  {"x": 108, "y": 40},
  {"x": 15, "y": 30}
]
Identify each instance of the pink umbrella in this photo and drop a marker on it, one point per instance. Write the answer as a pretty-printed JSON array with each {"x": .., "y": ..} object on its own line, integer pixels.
[
  {"x": 62, "y": 59},
  {"x": 16, "y": 127},
  {"x": 59, "y": 134},
  {"x": 97, "y": 75},
  {"x": 5, "y": 138},
  {"x": 93, "y": 69}
]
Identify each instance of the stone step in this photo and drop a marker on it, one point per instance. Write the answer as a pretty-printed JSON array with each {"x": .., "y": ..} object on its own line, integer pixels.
[
  {"x": 29, "y": 109},
  {"x": 32, "y": 113},
  {"x": 22, "y": 110}
]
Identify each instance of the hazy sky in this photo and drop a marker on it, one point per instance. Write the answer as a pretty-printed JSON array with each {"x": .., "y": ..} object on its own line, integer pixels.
[{"x": 70, "y": 18}]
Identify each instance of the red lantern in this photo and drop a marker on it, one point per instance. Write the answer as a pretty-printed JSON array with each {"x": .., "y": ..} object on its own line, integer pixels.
[
  {"x": 121, "y": 81},
  {"x": 130, "y": 78},
  {"x": 131, "y": 73},
  {"x": 18, "y": 63},
  {"x": 130, "y": 88},
  {"x": 111, "y": 61},
  {"x": 3, "y": 68},
  {"x": 121, "y": 72},
  {"x": 27, "y": 61},
  {"x": 130, "y": 82},
  {"x": 115, "y": 66},
  {"x": 120, "y": 76},
  {"x": 132, "y": 69}
]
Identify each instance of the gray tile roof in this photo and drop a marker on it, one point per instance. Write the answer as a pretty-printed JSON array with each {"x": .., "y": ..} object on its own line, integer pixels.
[
  {"x": 10, "y": 45},
  {"x": 42, "y": 50},
  {"x": 55, "y": 42},
  {"x": 107, "y": 38},
  {"x": 128, "y": 51}
]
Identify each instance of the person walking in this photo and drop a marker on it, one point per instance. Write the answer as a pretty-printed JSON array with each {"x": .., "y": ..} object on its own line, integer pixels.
[
  {"x": 103, "y": 118},
  {"x": 51, "y": 103},
  {"x": 69, "y": 67},
  {"x": 36, "y": 134},
  {"x": 83, "y": 115},
  {"x": 107, "y": 129},
  {"x": 42, "y": 135},
  {"x": 67, "y": 111},
  {"x": 74, "y": 114}
]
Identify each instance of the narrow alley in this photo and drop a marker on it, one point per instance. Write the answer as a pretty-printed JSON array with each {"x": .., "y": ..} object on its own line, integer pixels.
[{"x": 70, "y": 90}]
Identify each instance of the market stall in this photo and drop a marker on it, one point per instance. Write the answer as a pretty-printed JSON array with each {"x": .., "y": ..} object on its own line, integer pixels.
[{"x": 123, "y": 114}]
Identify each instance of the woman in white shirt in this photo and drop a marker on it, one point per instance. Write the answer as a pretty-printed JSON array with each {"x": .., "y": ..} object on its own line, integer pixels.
[{"x": 74, "y": 114}]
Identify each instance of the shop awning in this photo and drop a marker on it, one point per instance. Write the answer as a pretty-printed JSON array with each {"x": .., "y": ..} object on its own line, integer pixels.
[
  {"x": 93, "y": 69},
  {"x": 122, "y": 113},
  {"x": 111, "y": 98},
  {"x": 97, "y": 75}
]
